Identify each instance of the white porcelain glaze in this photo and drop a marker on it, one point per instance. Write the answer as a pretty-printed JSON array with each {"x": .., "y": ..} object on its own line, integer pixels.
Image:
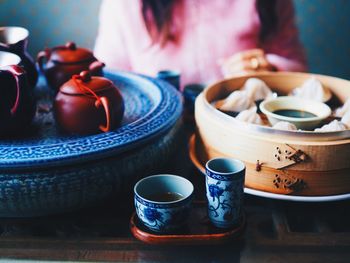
[
  {"x": 163, "y": 183},
  {"x": 12, "y": 34},
  {"x": 321, "y": 110},
  {"x": 7, "y": 59}
]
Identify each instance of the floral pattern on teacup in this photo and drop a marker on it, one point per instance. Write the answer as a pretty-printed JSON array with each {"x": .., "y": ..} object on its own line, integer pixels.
[
  {"x": 224, "y": 200},
  {"x": 162, "y": 218}
]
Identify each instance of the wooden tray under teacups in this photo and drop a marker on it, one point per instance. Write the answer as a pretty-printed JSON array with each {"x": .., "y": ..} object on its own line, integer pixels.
[{"x": 199, "y": 230}]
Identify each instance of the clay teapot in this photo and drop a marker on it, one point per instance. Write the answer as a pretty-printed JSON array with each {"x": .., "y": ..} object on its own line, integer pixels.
[
  {"x": 88, "y": 105},
  {"x": 65, "y": 61},
  {"x": 15, "y": 40},
  {"x": 17, "y": 102}
]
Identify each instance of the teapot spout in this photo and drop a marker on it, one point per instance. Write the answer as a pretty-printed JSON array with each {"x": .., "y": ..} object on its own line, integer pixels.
[{"x": 42, "y": 55}]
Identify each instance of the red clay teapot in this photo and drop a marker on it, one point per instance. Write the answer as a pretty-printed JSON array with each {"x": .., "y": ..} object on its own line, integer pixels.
[
  {"x": 17, "y": 102},
  {"x": 65, "y": 61},
  {"x": 88, "y": 105}
]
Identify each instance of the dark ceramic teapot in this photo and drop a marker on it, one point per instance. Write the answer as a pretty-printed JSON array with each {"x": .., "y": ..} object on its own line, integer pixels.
[
  {"x": 15, "y": 40},
  {"x": 17, "y": 103},
  {"x": 88, "y": 105},
  {"x": 65, "y": 61}
]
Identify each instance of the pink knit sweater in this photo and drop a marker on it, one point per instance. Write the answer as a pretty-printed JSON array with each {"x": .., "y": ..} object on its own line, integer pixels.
[{"x": 211, "y": 30}]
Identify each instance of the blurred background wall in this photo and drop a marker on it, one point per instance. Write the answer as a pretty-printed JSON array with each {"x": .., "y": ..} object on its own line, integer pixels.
[{"x": 324, "y": 27}]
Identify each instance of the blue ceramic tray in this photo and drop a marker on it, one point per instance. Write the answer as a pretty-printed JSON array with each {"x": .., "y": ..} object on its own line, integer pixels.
[{"x": 151, "y": 108}]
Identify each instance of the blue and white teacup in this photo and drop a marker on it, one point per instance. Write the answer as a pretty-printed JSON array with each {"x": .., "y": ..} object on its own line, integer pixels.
[
  {"x": 224, "y": 189},
  {"x": 163, "y": 202}
]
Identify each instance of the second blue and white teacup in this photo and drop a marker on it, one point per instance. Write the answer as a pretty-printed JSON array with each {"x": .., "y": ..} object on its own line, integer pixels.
[
  {"x": 163, "y": 202},
  {"x": 224, "y": 188}
]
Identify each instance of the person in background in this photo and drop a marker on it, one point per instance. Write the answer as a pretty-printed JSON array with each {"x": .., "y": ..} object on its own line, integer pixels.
[{"x": 205, "y": 40}]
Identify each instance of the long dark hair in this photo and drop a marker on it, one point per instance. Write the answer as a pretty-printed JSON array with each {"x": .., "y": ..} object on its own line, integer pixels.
[{"x": 158, "y": 18}]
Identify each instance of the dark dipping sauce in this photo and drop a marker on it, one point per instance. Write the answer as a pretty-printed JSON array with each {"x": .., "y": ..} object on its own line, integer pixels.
[
  {"x": 165, "y": 197},
  {"x": 295, "y": 113}
]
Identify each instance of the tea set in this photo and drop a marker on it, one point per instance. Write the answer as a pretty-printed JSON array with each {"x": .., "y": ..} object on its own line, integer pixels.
[
  {"x": 163, "y": 202},
  {"x": 87, "y": 103}
]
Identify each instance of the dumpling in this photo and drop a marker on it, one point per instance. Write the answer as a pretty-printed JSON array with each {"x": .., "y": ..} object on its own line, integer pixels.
[
  {"x": 332, "y": 126},
  {"x": 237, "y": 101},
  {"x": 346, "y": 119},
  {"x": 257, "y": 89},
  {"x": 311, "y": 89},
  {"x": 284, "y": 125},
  {"x": 340, "y": 112},
  {"x": 250, "y": 116}
]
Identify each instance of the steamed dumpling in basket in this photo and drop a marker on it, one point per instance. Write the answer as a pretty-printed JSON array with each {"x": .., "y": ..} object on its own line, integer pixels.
[
  {"x": 254, "y": 90},
  {"x": 332, "y": 126},
  {"x": 257, "y": 89},
  {"x": 250, "y": 116},
  {"x": 312, "y": 89},
  {"x": 237, "y": 101},
  {"x": 284, "y": 125},
  {"x": 340, "y": 112},
  {"x": 346, "y": 119}
]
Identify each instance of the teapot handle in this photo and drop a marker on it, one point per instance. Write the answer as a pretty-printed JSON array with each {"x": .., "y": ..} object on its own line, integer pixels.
[
  {"x": 40, "y": 58},
  {"x": 16, "y": 72},
  {"x": 104, "y": 102}
]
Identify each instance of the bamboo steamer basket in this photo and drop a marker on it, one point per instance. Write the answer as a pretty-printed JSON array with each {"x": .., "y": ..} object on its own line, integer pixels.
[{"x": 282, "y": 162}]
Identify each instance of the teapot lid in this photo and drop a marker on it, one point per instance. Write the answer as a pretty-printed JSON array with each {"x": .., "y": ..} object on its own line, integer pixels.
[
  {"x": 85, "y": 84},
  {"x": 70, "y": 53}
]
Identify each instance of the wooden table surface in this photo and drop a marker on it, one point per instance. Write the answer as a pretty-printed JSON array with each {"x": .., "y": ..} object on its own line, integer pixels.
[{"x": 276, "y": 231}]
